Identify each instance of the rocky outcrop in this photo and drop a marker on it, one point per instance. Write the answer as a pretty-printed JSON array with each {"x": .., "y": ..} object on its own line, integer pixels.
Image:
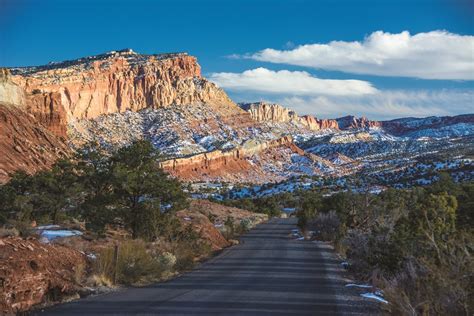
[
  {"x": 10, "y": 93},
  {"x": 49, "y": 111},
  {"x": 32, "y": 273},
  {"x": 352, "y": 122},
  {"x": 218, "y": 162},
  {"x": 208, "y": 220},
  {"x": 202, "y": 225},
  {"x": 318, "y": 124},
  {"x": 25, "y": 144},
  {"x": 266, "y": 112},
  {"x": 275, "y": 113},
  {"x": 114, "y": 82}
]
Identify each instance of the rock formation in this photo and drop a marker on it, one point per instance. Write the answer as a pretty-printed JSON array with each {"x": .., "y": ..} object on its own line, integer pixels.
[
  {"x": 32, "y": 273},
  {"x": 219, "y": 164},
  {"x": 114, "y": 82},
  {"x": 266, "y": 112},
  {"x": 205, "y": 216},
  {"x": 352, "y": 122},
  {"x": 275, "y": 113},
  {"x": 318, "y": 124},
  {"x": 25, "y": 144},
  {"x": 10, "y": 93}
]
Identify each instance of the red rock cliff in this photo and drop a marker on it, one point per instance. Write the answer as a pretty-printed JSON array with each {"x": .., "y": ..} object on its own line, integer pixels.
[
  {"x": 113, "y": 82},
  {"x": 217, "y": 162}
]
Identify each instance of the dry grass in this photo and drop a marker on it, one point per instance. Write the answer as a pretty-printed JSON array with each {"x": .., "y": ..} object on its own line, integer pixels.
[{"x": 135, "y": 264}]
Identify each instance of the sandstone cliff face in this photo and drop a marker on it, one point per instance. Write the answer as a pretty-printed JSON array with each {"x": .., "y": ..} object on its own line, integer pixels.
[
  {"x": 49, "y": 111},
  {"x": 10, "y": 93},
  {"x": 265, "y": 112},
  {"x": 114, "y": 82},
  {"x": 352, "y": 122}
]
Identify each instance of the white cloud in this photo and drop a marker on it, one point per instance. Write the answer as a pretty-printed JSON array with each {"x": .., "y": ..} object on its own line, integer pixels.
[
  {"x": 386, "y": 104},
  {"x": 289, "y": 82},
  {"x": 431, "y": 55}
]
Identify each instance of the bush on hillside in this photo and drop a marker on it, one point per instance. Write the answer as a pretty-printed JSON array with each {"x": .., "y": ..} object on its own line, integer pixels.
[{"x": 411, "y": 243}]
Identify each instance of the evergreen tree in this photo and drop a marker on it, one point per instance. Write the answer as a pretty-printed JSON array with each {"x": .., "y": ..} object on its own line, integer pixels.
[{"x": 142, "y": 190}]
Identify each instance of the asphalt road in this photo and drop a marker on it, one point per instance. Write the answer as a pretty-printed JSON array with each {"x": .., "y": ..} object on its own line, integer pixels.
[{"x": 269, "y": 273}]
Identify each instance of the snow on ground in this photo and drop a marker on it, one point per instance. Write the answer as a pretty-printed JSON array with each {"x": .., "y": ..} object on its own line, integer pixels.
[
  {"x": 374, "y": 296},
  {"x": 50, "y": 235},
  {"x": 364, "y": 286}
]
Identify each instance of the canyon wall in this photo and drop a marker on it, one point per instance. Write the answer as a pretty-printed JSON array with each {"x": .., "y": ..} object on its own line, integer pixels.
[{"x": 275, "y": 113}]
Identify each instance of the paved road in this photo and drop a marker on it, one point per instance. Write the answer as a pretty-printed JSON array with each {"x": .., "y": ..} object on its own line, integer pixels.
[{"x": 267, "y": 274}]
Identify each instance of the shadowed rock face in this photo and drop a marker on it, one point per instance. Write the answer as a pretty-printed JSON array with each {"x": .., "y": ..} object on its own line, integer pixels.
[
  {"x": 47, "y": 108},
  {"x": 111, "y": 83}
]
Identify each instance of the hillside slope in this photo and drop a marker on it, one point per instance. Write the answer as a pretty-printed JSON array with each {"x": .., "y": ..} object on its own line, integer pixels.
[{"x": 25, "y": 144}]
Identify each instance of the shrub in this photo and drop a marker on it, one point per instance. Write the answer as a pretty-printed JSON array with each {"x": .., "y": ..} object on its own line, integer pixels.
[
  {"x": 167, "y": 260},
  {"x": 134, "y": 265},
  {"x": 6, "y": 232},
  {"x": 327, "y": 226},
  {"x": 229, "y": 227},
  {"x": 100, "y": 280},
  {"x": 424, "y": 286}
]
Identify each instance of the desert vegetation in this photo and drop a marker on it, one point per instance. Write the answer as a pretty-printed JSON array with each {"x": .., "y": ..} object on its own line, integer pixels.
[
  {"x": 124, "y": 192},
  {"x": 414, "y": 244}
]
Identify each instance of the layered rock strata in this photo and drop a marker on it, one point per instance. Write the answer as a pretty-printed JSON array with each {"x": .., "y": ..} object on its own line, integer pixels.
[
  {"x": 218, "y": 163},
  {"x": 114, "y": 82},
  {"x": 25, "y": 144},
  {"x": 275, "y": 113}
]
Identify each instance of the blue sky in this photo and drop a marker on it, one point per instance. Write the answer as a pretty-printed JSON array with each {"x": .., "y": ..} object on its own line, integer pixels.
[{"x": 35, "y": 32}]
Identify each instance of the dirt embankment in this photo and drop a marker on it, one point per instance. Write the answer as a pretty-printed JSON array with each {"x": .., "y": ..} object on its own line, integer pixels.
[
  {"x": 207, "y": 217},
  {"x": 32, "y": 273}
]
